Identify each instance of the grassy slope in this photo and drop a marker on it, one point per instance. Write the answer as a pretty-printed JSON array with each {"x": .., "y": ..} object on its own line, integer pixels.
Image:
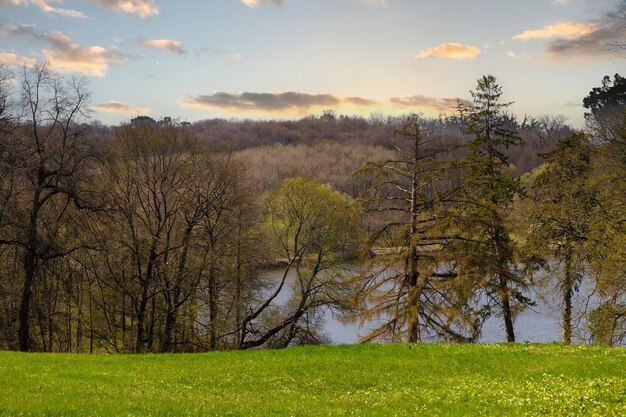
[{"x": 429, "y": 379}]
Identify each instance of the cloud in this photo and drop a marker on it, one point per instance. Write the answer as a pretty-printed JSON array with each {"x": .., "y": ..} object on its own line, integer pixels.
[
  {"x": 65, "y": 54},
  {"x": 596, "y": 44},
  {"x": 560, "y": 2},
  {"x": 264, "y": 102},
  {"x": 450, "y": 51},
  {"x": 440, "y": 104},
  {"x": 120, "y": 108},
  {"x": 254, "y": 3},
  {"x": 593, "y": 39},
  {"x": 142, "y": 8},
  {"x": 561, "y": 30},
  {"x": 45, "y": 7},
  {"x": 13, "y": 59},
  {"x": 360, "y": 101},
  {"x": 302, "y": 102},
  {"x": 167, "y": 44}
]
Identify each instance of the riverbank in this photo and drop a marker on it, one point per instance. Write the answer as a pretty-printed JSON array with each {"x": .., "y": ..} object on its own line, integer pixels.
[{"x": 425, "y": 379}]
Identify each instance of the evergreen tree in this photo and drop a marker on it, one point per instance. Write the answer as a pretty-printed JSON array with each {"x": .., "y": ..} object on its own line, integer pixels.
[
  {"x": 408, "y": 289},
  {"x": 559, "y": 216},
  {"x": 483, "y": 248}
]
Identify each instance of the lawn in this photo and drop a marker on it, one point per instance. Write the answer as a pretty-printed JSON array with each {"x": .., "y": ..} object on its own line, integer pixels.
[{"x": 425, "y": 379}]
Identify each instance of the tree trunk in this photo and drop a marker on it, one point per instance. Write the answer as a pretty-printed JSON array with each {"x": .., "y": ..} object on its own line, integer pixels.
[
  {"x": 238, "y": 306},
  {"x": 174, "y": 303},
  {"x": 507, "y": 312},
  {"x": 141, "y": 318},
  {"x": 212, "y": 309},
  {"x": 30, "y": 264},
  {"x": 170, "y": 322},
  {"x": 150, "y": 338},
  {"x": 79, "y": 319},
  {"x": 568, "y": 292},
  {"x": 143, "y": 303},
  {"x": 412, "y": 267},
  {"x": 414, "y": 295}
]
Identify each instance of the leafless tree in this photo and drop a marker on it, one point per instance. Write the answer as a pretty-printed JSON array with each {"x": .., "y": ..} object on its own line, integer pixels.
[{"x": 48, "y": 154}]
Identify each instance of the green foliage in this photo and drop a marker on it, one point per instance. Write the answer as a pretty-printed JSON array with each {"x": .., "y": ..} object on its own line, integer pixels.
[
  {"x": 493, "y": 131},
  {"x": 307, "y": 217},
  {"x": 603, "y": 101},
  {"x": 313, "y": 230},
  {"x": 558, "y": 217},
  {"x": 607, "y": 323},
  {"x": 428, "y": 380},
  {"x": 607, "y": 236},
  {"x": 483, "y": 249}
]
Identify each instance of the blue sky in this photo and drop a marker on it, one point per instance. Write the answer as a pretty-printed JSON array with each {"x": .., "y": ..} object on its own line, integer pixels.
[{"x": 288, "y": 58}]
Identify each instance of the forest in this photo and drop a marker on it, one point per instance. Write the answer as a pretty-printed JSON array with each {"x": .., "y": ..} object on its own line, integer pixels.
[{"x": 155, "y": 236}]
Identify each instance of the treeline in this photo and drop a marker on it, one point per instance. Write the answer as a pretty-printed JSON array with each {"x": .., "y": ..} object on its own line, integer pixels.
[
  {"x": 348, "y": 132},
  {"x": 157, "y": 240}
]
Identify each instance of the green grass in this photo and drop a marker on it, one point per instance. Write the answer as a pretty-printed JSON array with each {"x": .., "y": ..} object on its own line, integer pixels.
[{"x": 428, "y": 379}]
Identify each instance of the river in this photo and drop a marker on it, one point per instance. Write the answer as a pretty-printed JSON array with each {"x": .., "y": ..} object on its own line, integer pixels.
[{"x": 540, "y": 323}]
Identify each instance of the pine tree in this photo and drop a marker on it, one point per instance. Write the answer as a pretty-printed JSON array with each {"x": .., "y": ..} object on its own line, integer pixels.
[
  {"x": 407, "y": 288},
  {"x": 483, "y": 248},
  {"x": 559, "y": 216}
]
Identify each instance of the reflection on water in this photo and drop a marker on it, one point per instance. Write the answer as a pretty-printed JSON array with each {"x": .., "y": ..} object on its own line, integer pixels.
[
  {"x": 532, "y": 326},
  {"x": 540, "y": 323}
]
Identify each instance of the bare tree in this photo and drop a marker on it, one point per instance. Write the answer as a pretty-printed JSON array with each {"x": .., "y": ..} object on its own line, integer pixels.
[{"x": 48, "y": 154}]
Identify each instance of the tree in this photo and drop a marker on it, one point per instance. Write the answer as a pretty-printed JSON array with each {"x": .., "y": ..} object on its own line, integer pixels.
[
  {"x": 5, "y": 99},
  {"x": 410, "y": 289},
  {"x": 170, "y": 204},
  {"x": 49, "y": 156},
  {"x": 603, "y": 102},
  {"x": 483, "y": 247},
  {"x": 313, "y": 231},
  {"x": 146, "y": 188},
  {"x": 607, "y": 237},
  {"x": 559, "y": 215}
]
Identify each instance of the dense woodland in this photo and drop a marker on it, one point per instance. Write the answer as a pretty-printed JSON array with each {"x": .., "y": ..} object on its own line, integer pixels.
[{"x": 154, "y": 236}]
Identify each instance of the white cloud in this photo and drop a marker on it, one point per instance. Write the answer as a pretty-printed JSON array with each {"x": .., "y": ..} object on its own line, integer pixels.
[
  {"x": 594, "y": 39},
  {"x": 142, "y": 8},
  {"x": 167, "y": 44},
  {"x": 254, "y": 3},
  {"x": 10, "y": 58},
  {"x": 63, "y": 53},
  {"x": 45, "y": 7},
  {"x": 450, "y": 51},
  {"x": 420, "y": 101},
  {"x": 120, "y": 108},
  {"x": 562, "y": 30}
]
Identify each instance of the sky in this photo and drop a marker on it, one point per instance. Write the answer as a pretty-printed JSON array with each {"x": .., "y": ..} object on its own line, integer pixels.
[{"x": 284, "y": 59}]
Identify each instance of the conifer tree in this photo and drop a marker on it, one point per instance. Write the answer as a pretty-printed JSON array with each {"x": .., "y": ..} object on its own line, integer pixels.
[
  {"x": 559, "y": 215},
  {"x": 483, "y": 248},
  {"x": 408, "y": 289}
]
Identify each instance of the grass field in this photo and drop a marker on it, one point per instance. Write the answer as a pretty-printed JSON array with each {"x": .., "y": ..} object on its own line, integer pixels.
[{"x": 429, "y": 379}]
